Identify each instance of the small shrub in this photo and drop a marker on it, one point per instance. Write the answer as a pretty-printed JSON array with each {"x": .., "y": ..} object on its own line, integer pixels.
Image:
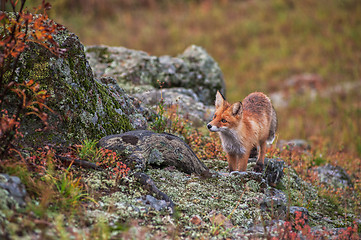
[
  {"x": 206, "y": 146},
  {"x": 160, "y": 123},
  {"x": 21, "y": 98},
  {"x": 88, "y": 150},
  {"x": 69, "y": 189},
  {"x": 112, "y": 161},
  {"x": 299, "y": 229},
  {"x": 104, "y": 158}
]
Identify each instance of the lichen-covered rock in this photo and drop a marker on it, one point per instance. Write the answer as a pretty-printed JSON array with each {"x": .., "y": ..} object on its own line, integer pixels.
[
  {"x": 294, "y": 144},
  {"x": 247, "y": 204},
  {"x": 143, "y": 148},
  {"x": 12, "y": 192},
  {"x": 333, "y": 176},
  {"x": 272, "y": 170},
  {"x": 275, "y": 202},
  {"x": 185, "y": 101},
  {"x": 150, "y": 201},
  {"x": 322, "y": 211},
  {"x": 137, "y": 71},
  {"x": 84, "y": 107},
  {"x": 12, "y": 197}
]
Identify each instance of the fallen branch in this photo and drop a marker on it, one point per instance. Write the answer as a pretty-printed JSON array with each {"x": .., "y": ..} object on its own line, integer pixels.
[
  {"x": 148, "y": 184},
  {"x": 80, "y": 163}
]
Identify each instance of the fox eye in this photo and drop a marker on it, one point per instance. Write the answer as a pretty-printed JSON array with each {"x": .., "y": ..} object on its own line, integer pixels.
[
  {"x": 214, "y": 116},
  {"x": 223, "y": 120}
]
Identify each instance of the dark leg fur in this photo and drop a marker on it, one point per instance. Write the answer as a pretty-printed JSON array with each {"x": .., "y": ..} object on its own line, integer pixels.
[
  {"x": 254, "y": 153},
  {"x": 258, "y": 167}
]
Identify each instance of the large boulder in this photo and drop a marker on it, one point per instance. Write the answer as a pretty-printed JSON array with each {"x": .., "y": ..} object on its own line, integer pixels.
[
  {"x": 333, "y": 176},
  {"x": 184, "y": 102},
  {"x": 137, "y": 71},
  {"x": 84, "y": 107}
]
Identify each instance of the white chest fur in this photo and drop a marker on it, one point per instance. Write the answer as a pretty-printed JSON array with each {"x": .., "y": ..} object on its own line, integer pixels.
[{"x": 231, "y": 143}]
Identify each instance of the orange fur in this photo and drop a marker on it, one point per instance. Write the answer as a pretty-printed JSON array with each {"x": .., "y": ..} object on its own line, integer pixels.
[{"x": 243, "y": 126}]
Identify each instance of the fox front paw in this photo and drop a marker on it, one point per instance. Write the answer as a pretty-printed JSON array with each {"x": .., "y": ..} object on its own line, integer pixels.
[{"x": 234, "y": 173}]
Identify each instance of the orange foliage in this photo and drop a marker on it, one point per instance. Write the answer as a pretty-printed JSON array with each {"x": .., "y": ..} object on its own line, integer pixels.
[
  {"x": 299, "y": 229},
  {"x": 205, "y": 147},
  {"x": 109, "y": 159},
  {"x": 20, "y": 28}
]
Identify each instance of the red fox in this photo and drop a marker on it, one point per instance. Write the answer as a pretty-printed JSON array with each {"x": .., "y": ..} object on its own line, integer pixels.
[{"x": 243, "y": 126}]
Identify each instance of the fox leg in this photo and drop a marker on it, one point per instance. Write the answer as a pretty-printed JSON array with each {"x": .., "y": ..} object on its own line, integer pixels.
[
  {"x": 232, "y": 162},
  {"x": 242, "y": 162},
  {"x": 238, "y": 162},
  {"x": 261, "y": 156}
]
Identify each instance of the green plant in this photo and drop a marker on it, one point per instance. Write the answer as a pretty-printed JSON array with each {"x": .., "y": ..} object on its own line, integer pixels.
[
  {"x": 65, "y": 191},
  {"x": 101, "y": 230},
  {"x": 88, "y": 150},
  {"x": 69, "y": 189},
  {"x": 160, "y": 122},
  {"x": 59, "y": 225}
]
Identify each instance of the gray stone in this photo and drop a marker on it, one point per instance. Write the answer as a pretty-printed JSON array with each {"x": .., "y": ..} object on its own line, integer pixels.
[
  {"x": 185, "y": 101},
  {"x": 294, "y": 144},
  {"x": 275, "y": 202},
  {"x": 272, "y": 170},
  {"x": 13, "y": 193},
  {"x": 137, "y": 71},
  {"x": 334, "y": 176},
  {"x": 152, "y": 202}
]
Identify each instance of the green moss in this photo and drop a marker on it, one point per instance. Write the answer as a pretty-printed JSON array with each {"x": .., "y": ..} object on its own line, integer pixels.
[
  {"x": 83, "y": 108},
  {"x": 39, "y": 71}
]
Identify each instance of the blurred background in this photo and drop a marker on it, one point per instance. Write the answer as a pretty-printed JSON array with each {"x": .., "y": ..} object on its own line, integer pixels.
[{"x": 305, "y": 54}]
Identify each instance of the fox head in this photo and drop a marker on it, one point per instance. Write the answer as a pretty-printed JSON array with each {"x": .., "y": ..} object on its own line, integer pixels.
[{"x": 227, "y": 116}]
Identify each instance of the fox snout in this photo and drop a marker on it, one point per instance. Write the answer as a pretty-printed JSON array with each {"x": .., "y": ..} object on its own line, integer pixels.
[{"x": 212, "y": 128}]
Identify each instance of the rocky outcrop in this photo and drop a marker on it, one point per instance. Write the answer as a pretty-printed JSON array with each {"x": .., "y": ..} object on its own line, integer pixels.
[
  {"x": 85, "y": 107},
  {"x": 137, "y": 71}
]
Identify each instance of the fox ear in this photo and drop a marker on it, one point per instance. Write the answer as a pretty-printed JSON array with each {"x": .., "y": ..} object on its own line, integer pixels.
[
  {"x": 237, "y": 108},
  {"x": 219, "y": 100}
]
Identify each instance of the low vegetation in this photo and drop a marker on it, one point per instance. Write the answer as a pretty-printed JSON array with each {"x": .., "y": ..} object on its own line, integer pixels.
[{"x": 259, "y": 46}]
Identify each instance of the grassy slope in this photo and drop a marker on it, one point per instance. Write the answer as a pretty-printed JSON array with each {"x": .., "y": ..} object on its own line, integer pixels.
[{"x": 258, "y": 45}]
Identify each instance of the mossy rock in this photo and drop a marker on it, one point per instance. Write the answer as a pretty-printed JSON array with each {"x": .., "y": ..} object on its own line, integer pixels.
[{"x": 84, "y": 107}]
